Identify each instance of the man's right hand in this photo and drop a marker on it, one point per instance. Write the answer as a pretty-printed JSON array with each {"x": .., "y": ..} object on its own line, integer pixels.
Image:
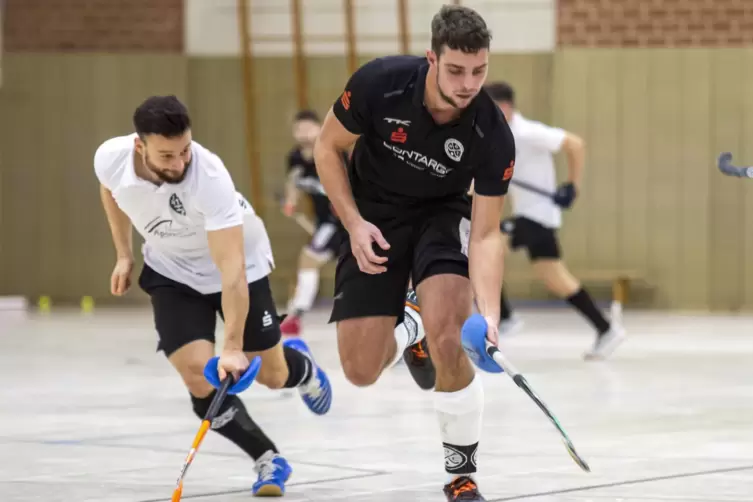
[
  {"x": 120, "y": 282},
  {"x": 288, "y": 209},
  {"x": 362, "y": 235}
]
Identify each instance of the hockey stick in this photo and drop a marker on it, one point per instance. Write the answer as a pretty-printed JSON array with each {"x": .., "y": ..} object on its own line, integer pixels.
[
  {"x": 521, "y": 382},
  {"x": 724, "y": 163},
  {"x": 225, "y": 387},
  {"x": 301, "y": 219},
  {"x": 477, "y": 347},
  {"x": 532, "y": 188}
]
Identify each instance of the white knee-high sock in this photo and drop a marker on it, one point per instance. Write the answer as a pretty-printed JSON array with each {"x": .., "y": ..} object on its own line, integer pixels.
[
  {"x": 460, "y": 415},
  {"x": 305, "y": 290},
  {"x": 407, "y": 333}
]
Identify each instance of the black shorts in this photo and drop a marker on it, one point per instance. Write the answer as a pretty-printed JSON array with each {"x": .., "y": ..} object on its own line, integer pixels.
[
  {"x": 540, "y": 241},
  {"x": 182, "y": 314},
  {"x": 421, "y": 247},
  {"x": 327, "y": 239}
]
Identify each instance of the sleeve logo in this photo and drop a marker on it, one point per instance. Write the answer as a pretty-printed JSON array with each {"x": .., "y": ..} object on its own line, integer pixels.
[
  {"x": 509, "y": 171},
  {"x": 345, "y": 100}
]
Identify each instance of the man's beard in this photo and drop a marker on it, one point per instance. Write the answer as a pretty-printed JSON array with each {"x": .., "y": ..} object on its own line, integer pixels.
[
  {"x": 164, "y": 176},
  {"x": 447, "y": 99}
]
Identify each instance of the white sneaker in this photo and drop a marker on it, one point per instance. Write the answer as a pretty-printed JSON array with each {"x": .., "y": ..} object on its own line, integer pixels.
[
  {"x": 606, "y": 343},
  {"x": 509, "y": 326}
]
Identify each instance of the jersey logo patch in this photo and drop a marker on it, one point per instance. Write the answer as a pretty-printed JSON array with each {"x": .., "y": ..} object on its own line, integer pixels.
[
  {"x": 454, "y": 149},
  {"x": 390, "y": 120},
  {"x": 176, "y": 205},
  {"x": 345, "y": 100},
  {"x": 399, "y": 136}
]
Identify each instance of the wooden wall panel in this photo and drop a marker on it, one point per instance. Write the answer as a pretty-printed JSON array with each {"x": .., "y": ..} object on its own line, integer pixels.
[
  {"x": 571, "y": 96},
  {"x": 600, "y": 189},
  {"x": 693, "y": 178},
  {"x": 726, "y": 218},
  {"x": 634, "y": 165},
  {"x": 664, "y": 183},
  {"x": 654, "y": 122},
  {"x": 59, "y": 109},
  {"x": 744, "y": 156}
]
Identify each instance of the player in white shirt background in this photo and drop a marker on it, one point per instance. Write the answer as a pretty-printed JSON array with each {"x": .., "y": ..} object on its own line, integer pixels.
[
  {"x": 536, "y": 218},
  {"x": 206, "y": 252}
]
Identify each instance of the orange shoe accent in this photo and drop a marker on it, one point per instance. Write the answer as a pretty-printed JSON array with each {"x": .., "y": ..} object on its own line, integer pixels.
[
  {"x": 418, "y": 350},
  {"x": 413, "y": 306},
  {"x": 467, "y": 486}
]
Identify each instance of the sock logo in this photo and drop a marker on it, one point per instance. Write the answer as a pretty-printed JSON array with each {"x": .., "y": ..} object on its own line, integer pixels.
[
  {"x": 474, "y": 457},
  {"x": 460, "y": 459},
  {"x": 453, "y": 458},
  {"x": 224, "y": 419}
]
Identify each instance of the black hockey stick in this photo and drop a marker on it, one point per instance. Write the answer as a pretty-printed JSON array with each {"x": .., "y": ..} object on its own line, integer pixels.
[
  {"x": 521, "y": 382},
  {"x": 532, "y": 188},
  {"x": 489, "y": 358},
  {"x": 725, "y": 166}
]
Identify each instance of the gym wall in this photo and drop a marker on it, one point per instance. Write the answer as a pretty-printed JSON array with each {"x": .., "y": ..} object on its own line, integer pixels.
[{"x": 656, "y": 90}]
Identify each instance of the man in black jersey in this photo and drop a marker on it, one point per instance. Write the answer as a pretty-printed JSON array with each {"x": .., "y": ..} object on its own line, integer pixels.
[
  {"x": 329, "y": 232},
  {"x": 423, "y": 130}
]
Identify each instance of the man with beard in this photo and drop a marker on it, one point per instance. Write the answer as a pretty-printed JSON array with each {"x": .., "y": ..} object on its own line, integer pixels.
[
  {"x": 206, "y": 252},
  {"x": 329, "y": 233},
  {"x": 423, "y": 130}
]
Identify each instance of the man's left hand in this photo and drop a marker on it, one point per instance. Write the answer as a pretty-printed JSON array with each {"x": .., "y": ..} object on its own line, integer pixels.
[
  {"x": 492, "y": 331},
  {"x": 232, "y": 362}
]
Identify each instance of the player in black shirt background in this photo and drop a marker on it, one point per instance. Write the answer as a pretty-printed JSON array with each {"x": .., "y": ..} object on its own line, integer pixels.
[
  {"x": 423, "y": 130},
  {"x": 328, "y": 234}
]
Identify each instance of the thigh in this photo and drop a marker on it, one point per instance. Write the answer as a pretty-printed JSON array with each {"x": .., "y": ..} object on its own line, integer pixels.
[
  {"x": 441, "y": 246},
  {"x": 540, "y": 242},
  {"x": 181, "y": 315},
  {"x": 262, "y": 329},
  {"x": 189, "y": 361},
  {"x": 359, "y": 295}
]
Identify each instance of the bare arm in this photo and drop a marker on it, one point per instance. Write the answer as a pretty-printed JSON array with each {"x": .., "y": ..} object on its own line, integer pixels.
[
  {"x": 226, "y": 248},
  {"x": 486, "y": 254},
  {"x": 575, "y": 150},
  {"x": 291, "y": 190},
  {"x": 120, "y": 225},
  {"x": 332, "y": 141}
]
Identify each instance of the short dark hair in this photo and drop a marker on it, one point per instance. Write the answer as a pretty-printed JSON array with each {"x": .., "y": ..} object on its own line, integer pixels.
[
  {"x": 459, "y": 28},
  {"x": 501, "y": 91},
  {"x": 306, "y": 115},
  {"x": 163, "y": 116}
]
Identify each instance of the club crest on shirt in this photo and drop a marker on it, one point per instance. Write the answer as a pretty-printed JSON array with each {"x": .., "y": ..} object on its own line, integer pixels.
[
  {"x": 454, "y": 149},
  {"x": 176, "y": 205}
]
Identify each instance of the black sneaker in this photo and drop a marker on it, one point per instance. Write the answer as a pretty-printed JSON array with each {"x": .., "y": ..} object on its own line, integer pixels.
[
  {"x": 416, "y": 356},
  {"x": 463, "y": 489}
]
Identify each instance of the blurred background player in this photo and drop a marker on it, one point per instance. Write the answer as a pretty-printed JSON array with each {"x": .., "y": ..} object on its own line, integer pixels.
[
  {"x": 328, "y": 234},
  {"x": 206, "y": 252},
  {"x": 536, "y": 218}
]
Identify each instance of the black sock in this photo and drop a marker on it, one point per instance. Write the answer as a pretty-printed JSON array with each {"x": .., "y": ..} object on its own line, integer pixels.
[
  {"x": 300, "y": 369},
  {"x": 582, "y": 301},
  {"x": 505, "y": 312},
  {"x": 234, "y": 423}
]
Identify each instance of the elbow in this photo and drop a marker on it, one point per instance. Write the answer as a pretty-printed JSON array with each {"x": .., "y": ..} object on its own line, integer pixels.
[{"x": 574, "y": 143}]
